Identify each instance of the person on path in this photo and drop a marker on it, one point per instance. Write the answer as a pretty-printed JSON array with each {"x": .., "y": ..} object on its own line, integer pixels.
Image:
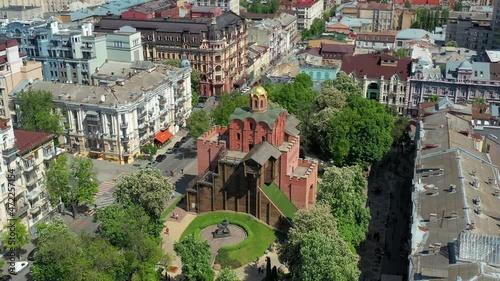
[{"x": 167, "y": 231}]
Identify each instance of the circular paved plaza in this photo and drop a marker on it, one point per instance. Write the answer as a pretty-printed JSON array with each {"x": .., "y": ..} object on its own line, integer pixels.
[{"x": 238, "y": 234}]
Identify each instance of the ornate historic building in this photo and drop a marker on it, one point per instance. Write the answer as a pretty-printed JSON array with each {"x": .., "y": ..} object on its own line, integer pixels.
[
  {"x": 216, "y": 47},
  {"x": 253, "y": 165}
]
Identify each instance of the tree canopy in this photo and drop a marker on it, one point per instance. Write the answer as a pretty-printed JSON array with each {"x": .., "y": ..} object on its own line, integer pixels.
[
  {"x": 36, "y": 112},
  {"x": 227, "y": 274},
  {"x": 195, "y": 257},
  {"x": 15, "y": 236},
  {"x": 315, "y": 250},
  {"x": 63, "y": 255},
  {"x": 344, "y": 190},
  {"x": 296, "y": 98},
  {"x": 360, "y": 133},
  {"x": 258, "y": 7},
  {"x": 317, "y": 28},
  {"x": 74, "y": 182},
  {"x": 198, "y": 123},
  {"x": 226, "y": 107},
  {"x": 147, "y": 188}
]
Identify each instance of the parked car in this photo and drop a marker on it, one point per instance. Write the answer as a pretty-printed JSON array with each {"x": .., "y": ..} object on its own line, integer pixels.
[
  {"x": 19, "y": 266},
  {"x": 170, "y": 151},
  {"x": 183, "y": 140},
  {"x": 31, "y": 255},
  {"x": 161, "y": 157},
  {"x": 177, "y": 145},
  {"x": 5, "y": 278},
  {"x": 151, "y": 164}
]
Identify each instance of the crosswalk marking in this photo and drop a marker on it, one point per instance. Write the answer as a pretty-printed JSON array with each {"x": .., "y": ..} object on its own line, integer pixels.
[{"x": 104, "y": 188}]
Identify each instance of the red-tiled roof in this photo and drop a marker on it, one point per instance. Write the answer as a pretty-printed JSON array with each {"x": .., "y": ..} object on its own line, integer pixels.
[
  {"x": 4, "y": 124},
  {"x": 337, "y": 48},
  {"x": 372, "y": 66},
  {"x": 425, "y": 2},
  {"x": 28, "y": 140},
  {"x": 311, "y": 51},
  {"x": 304, "y": 3},
  {"x": 7, "y": 43}
]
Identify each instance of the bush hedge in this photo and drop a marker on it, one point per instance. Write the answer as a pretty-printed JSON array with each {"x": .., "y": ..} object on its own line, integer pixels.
[{"x": 242, "y": 253}]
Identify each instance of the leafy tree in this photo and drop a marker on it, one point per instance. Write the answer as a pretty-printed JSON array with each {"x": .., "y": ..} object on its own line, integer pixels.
[
  {"x": 16, "y": 236},
  {"x": 344, "y": 190},
  {"x": 458, "y": 6},
  {"x": 297, "y": 97},
  {"x": 195, "y": 257},
  {"x": 36, "y": 112},
  {"x": 400, "y": 129},
  {"x": 434, "y": 98},
  {"x": 227, "y": 274},
  {"x": 360, "y": 133},
  {"x": 400, "y": 53},
  {"x": 195, "y": 86},
  {"x": 147, "y": 188},
  {"x": 72, "y": 182},
  {"x": 198, "y": 123},
  {"x": 478, "y": 101},
  {"x": 451, "y": 44},
  {"x": 317, "y": 28},
  {"x": 347, "y": 84},
  {"x": 445, "y": 15},
  {"x": 62, "y": 255},
  {"x": 226, "y": 107},
  {"x": 315, "y": 250},
  {"x": 256, "y": 7},
  {"x": 149, "y": 148},
  {"x": 118, "y": 224},
  {"x": 407, "y": 4}
]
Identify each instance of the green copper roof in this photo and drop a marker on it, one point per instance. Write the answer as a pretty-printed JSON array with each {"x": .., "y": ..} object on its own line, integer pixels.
[{"x": 267, "y": 117}]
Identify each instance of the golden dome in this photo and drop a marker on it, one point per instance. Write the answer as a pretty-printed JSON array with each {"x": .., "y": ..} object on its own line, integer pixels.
[{"x": 259, "y": 91}]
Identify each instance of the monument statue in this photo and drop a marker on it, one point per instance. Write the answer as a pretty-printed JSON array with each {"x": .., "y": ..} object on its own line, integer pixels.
[{"x": 222, "y": 230}]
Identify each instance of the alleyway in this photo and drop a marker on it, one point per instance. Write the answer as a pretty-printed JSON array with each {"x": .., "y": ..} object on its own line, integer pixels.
[{"x": 389, "y": 195}]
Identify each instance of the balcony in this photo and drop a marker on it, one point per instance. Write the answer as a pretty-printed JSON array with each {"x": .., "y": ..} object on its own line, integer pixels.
[
  {"x": 9, "y": 154},
  {"x": 124, "y": 125},
  {"x": 29, "y": 167},
  {"x": 47, "y": 156},
  {"x": 14, "y": 174},
  {"x": 34, "y": 193},
  {"x": 31, "y": 181},
  {"x": 125, "y": 139},
  {"x": 22, "y": 210}
]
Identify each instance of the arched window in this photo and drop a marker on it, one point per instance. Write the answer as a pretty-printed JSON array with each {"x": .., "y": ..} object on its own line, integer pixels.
[
  {"x": 256, "y": 103},
  {"x": 318, "y": 75},
  {"x": 251, "y": 126},
  {"x": 263, "y": 138},
  {"x": 218, "y": 68},
  {"x": 311, "y": 74},
  {"x": 327, "y": 75},
  {"x": 238, "y": 136},
  {"x": 261, "y": 103}
]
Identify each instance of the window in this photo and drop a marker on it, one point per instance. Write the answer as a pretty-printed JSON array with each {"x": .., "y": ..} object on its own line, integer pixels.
[
  {"x": 36, "y": 154},
  {"x": 238, "y": 136},
  {"x": 251, "y": 126},
  {"x": 118, "y": 44},
  {"x": 262, "y": 103},
  {"x": 3, "y": 188}
]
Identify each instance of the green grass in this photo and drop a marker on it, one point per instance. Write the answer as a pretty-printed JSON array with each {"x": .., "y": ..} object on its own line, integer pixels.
[
  {"x": 280, "y": 200},
  {"x": 260, "y": 237}
]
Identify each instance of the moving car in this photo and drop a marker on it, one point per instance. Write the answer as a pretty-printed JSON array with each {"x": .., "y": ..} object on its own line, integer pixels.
[
  {"x": 170, "y": 151},
  {"x": 31, "y": 255},
  {"x": 161, "y": 157},
  {"x": 18, "y": 267}
]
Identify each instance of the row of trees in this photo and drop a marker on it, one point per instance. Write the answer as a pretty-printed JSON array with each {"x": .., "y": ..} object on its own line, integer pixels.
[
  {"x": 126, "y": 245},
  {"x": 258, "y": 7},
  {"x": 430, "y": 19}
]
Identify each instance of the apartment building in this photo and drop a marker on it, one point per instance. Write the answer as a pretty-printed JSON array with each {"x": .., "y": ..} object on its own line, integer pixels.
[
  {"x": 376, "y": 41},
  {"x": 470, "y": 30},
  {"x": 403, "y": 18},
  {"x": 463, "y": 81},
  {"x": 269, "y": 33},
  {"x": 226, "y": 5},
  {"x": 72, "y": 55},
  {"x": 127, "y": 107},
  {"x": 48, "y": 6},
  {"x": 216, "y": 47},
  {"x": 12, "y": 71},
  {"x": 306, "y": 11},
  {"x": 384, "y": 77},
  {"x": 380, "y": 14},
  {"x": 290, "y": 27},
  {"x": 26, "y": 155}
]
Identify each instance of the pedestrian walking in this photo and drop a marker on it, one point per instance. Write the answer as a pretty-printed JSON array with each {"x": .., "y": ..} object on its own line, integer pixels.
[
  {"x": 182, "y": 171},
  {"x": 167, "y": 231}
]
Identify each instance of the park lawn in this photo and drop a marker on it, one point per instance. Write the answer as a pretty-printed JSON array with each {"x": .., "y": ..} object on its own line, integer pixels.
[
  {"x": 280, "y": 200},
  {"x": 260, "y": 238}
]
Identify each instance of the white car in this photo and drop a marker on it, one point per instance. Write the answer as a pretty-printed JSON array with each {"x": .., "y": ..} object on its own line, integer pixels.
[{"x": 18, "y": 267}]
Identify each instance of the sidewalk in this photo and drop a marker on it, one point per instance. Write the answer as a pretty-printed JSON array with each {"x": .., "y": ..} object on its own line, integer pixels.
[{"x": 175, "y": 138}]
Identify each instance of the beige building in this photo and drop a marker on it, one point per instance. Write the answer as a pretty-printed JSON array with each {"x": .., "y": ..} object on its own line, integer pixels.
[
  {"x": 129, "y": 106},
  {"x": 403, "y": 18},
  {"x": 21, "y": 12},
  {"x": 49, "y": 6},
  {"x": 379, "y": 13},
  {"x": 22, "y": 175},
  {"x": 258, "y": 60},
  {"x": 12, "y": 71}
]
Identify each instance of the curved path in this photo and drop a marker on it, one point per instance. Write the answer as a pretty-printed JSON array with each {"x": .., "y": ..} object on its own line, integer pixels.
[{"x": 238, "y": 234}]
